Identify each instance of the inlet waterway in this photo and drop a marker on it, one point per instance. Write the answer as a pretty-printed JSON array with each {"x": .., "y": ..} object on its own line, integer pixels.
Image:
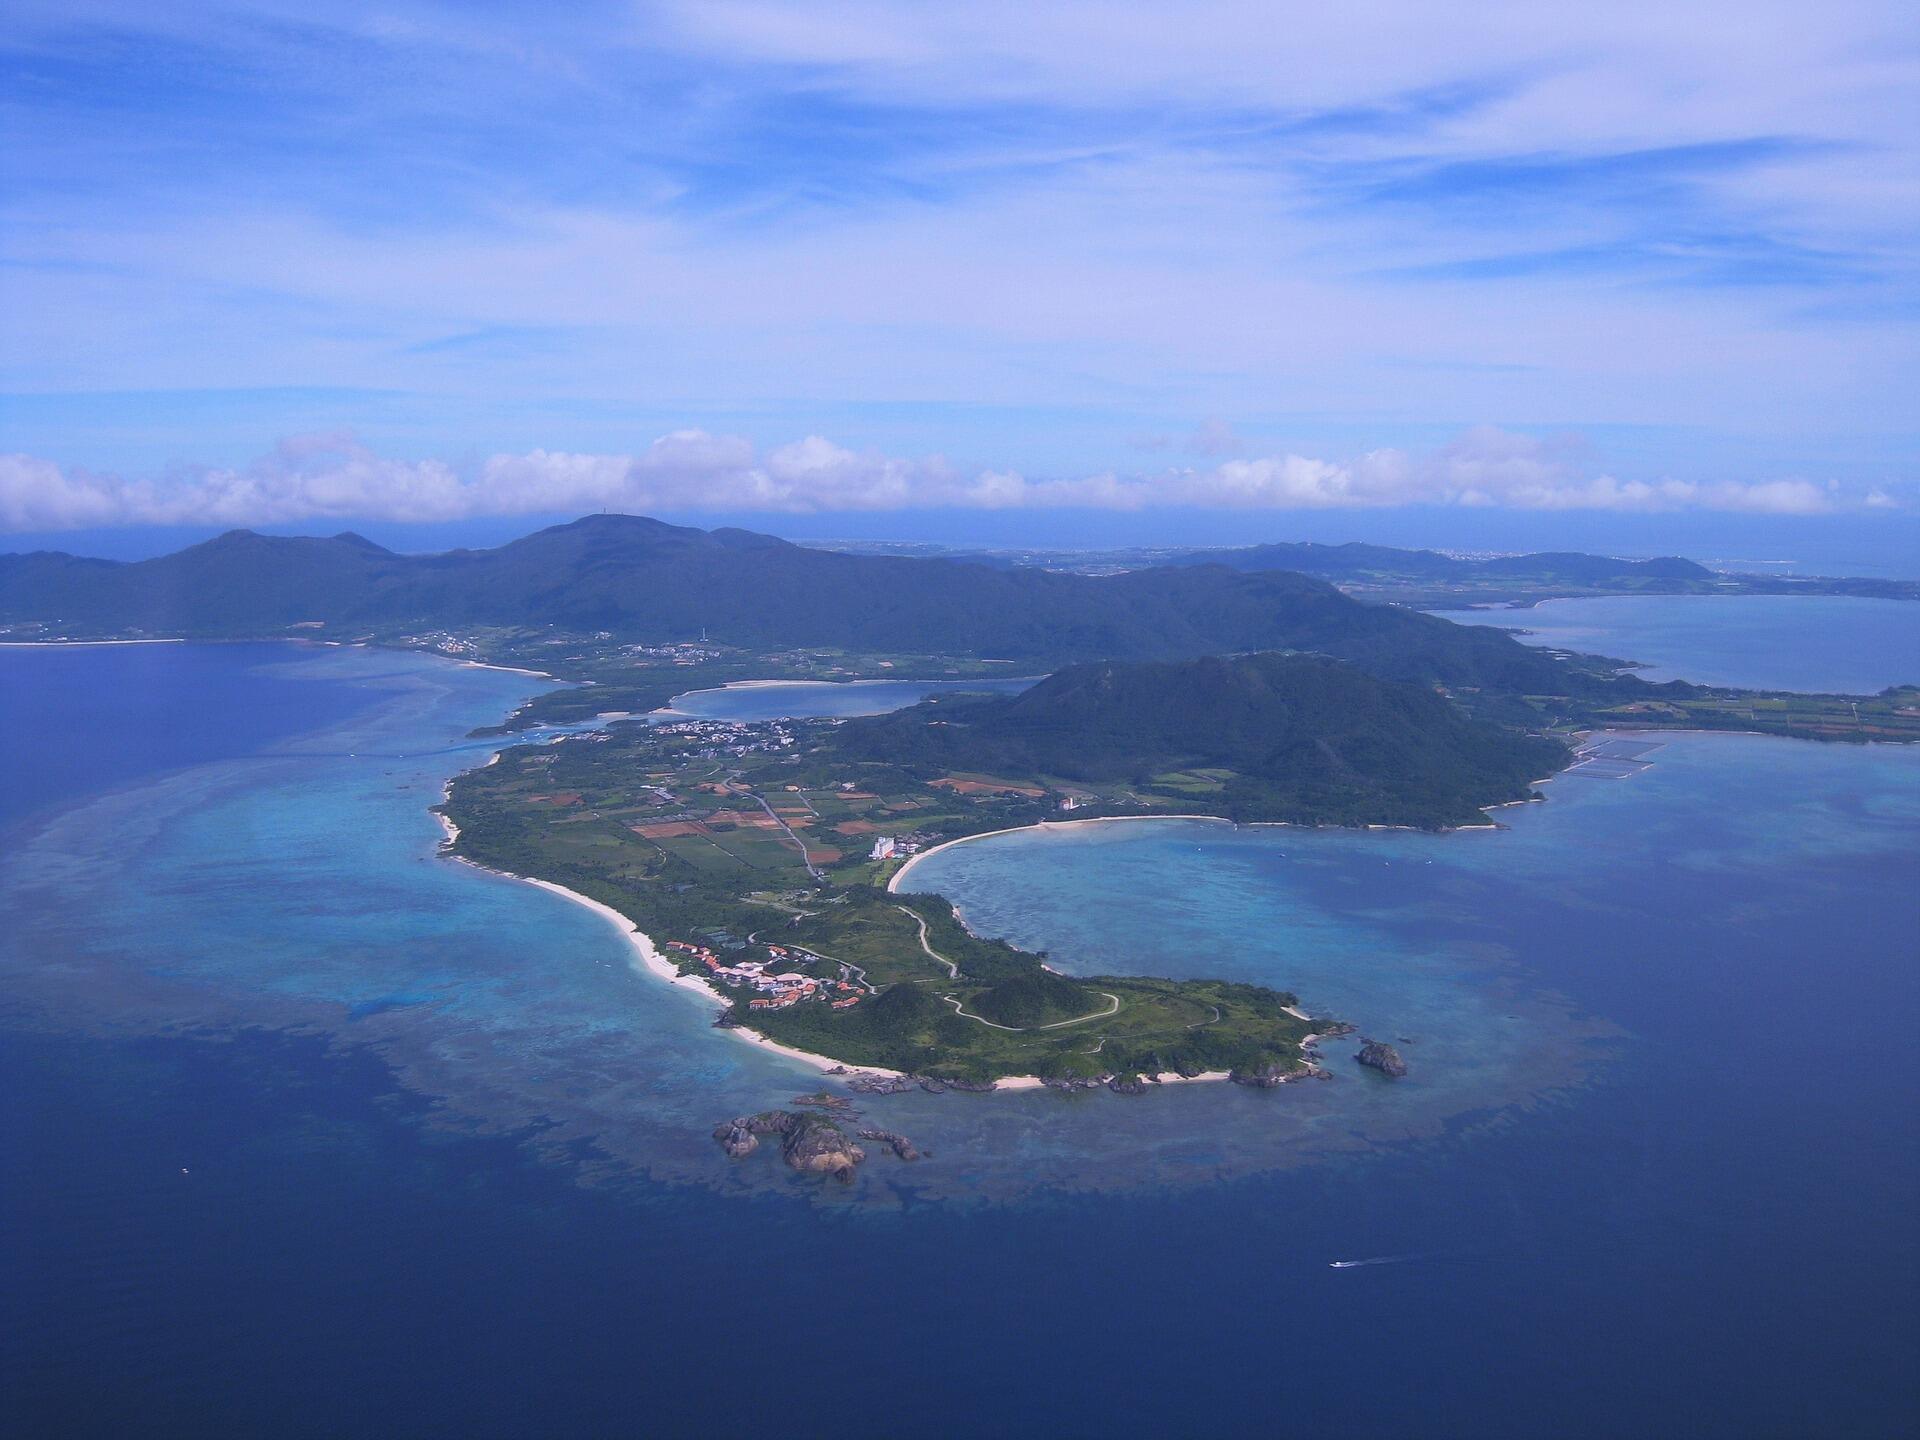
[{"x": 1834, "y": 644}]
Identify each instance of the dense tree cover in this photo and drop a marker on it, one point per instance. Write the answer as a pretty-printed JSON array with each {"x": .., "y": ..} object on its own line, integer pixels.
[{"x": 1306, "y": 738}]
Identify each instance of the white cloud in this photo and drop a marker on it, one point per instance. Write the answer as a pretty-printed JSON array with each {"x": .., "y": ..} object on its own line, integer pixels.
[
  {"x": 335, "y": 477},
  {"x": 1134, "y": 212}
]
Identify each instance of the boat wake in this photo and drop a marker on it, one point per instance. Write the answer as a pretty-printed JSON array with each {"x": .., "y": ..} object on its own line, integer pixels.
[{"x": 1373, "y": 1260}]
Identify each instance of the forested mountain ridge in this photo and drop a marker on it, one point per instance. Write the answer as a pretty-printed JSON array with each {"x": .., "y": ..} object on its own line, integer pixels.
[{"x": 643, "y": 579}]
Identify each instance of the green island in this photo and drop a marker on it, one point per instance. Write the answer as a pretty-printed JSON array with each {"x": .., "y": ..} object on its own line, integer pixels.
[
  {"x": 771, "y": 861},
  {"x": 766, "y": 858}
]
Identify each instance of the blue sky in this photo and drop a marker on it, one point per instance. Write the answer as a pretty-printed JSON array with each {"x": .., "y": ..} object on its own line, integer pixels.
[{"x": 274, "y": 263}]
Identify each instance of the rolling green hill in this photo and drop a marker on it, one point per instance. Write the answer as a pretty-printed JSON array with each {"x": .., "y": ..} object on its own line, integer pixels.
[{"x": 1271, "y": 737}]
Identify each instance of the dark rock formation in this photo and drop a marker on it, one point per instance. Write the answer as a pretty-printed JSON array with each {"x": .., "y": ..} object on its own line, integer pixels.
[
  {"x": 1382, "y": 1057},
  {"x": 977, "y": 1087},
  {"x": 817, "y": 1146},
  {"x": 824, "y": 1100},
  {"x": 1265, "y": 1076},
  {"x": 1127, "y": 1085},
  {"x": 902, "y": 1146},
  {"x": 933, "y": 1085},
  {"x": 866, "y": 1083},
  {"x": 736, "y": 1139},
  {"x": 811, "y": 1143}
]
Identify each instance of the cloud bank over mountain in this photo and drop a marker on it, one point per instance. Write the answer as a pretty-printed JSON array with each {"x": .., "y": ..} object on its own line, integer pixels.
[{"x": 338, "y": 477}]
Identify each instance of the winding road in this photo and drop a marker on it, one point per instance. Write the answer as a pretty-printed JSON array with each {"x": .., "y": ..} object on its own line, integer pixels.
[
  {"x": 921, "y": 921},
  {"x": 805, "y": 858},
  {"x": 1113, "y": 1000}
]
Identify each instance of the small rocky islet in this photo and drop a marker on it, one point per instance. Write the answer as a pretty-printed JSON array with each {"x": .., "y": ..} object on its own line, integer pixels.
[{"x": 1381, "y": 1056}]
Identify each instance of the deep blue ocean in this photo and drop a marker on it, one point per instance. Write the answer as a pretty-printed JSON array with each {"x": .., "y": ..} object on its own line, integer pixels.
[{"x": 308, "y": 1132}]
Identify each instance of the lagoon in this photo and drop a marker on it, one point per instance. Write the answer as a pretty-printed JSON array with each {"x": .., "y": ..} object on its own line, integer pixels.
[{"x": 1831, "y": 644}]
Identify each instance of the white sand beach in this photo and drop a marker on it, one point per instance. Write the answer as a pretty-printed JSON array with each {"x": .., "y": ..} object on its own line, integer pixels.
[
  {"x": 79, "y": 644},
  {"x": 653, "y": 963},
  {"x": 893, "y": 885},
  {"x": 651, "y": 960},
  {"x": 511, "y": 670}
]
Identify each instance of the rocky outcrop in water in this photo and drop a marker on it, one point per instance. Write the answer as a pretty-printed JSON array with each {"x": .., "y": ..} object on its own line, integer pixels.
[
  {"x": 810, "y": 1143},
  {"x": 867, "y": 1083},
  {"x": 1127, "y": 1085},
  {"x": 1266, "y": 1076},
  {"x": 823, "y": 1100},
  {"x": 817, "y": 1146},
  {"x": 1382, "y": 1057},
  {"x": 901, "y": 1145},
  {"x": 736, "y": 1139}
]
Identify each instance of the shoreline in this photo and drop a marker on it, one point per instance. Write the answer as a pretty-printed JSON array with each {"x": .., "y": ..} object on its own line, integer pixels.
[
  {"x": 653, "y": 963},
  {"x": 483, "y": 665},
  {"x": 893, "y": 883},
  {"x": 76, "y": 644},
  {"x": 658, "y": 966},
  {"x": 865, "y": 680}
]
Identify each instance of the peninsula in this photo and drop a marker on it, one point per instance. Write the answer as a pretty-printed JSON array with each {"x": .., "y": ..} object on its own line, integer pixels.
[{"x": 760, "y": 857}]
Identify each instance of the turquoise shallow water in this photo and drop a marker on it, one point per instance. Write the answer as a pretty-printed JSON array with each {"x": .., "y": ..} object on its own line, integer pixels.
[
  {"x": 1834, "y": 644},
  {"x": 303, "y": 887},
  {"x": 1661, "y": 1111}
]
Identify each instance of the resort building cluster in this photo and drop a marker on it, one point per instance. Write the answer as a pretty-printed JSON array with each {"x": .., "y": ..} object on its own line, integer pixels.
[
  {"x": 730, "y": 737},
  {"x": 777, "y": 991}
]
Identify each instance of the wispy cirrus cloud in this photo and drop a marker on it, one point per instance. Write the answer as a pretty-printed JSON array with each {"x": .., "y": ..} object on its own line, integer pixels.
[
  {"x": 1384, "y": 217},
  {"x": 335, "y": 477}
]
